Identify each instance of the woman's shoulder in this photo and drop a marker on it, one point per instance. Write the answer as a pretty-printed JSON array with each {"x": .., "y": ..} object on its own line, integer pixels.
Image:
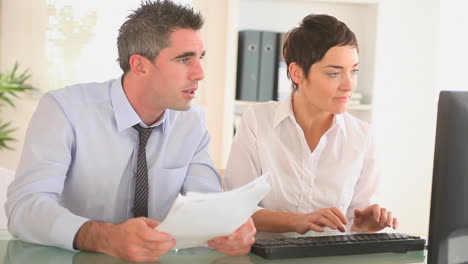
[
  {"x": 259, "y": 117},
  {"x": 356, "y": 125},
  {"x": 262, "y": 111},
  {"x": 264, "y": 106}
]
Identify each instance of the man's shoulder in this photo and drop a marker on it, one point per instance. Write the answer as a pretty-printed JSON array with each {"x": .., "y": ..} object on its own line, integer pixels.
[
  {"x": 83, "y": 93},
  {"x": 194, "y": 115},
  {"x": 196, "y": 110}
]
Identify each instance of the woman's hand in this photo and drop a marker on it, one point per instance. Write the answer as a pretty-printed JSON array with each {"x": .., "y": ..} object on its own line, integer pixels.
[
  {"x": 317, "y": 220},
  {"x": 373, "y": 218}
]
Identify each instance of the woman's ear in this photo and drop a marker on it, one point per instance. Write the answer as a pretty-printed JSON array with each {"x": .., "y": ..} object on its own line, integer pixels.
[{"x": 296, "y": 73}]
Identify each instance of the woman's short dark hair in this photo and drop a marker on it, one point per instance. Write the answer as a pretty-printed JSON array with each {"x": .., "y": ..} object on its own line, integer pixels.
[
  {"x": 147, "y": 29},
  {"x": 308, "y": 43}
]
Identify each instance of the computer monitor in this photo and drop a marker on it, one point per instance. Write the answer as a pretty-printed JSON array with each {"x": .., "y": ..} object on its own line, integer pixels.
[{"x": 448, "y": 225}]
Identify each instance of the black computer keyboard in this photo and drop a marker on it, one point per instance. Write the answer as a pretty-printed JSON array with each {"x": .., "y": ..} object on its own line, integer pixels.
[{"x": 336, "y": 245}]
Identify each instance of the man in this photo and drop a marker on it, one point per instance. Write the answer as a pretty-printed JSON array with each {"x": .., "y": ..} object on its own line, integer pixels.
[{"x": 103, "y": 162}]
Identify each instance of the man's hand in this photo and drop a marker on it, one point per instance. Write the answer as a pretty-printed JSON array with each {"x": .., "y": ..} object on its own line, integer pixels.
[
  {"x": 373, "y": 218},
  {"x": 317, "y": 220},
  {"x": 134, "y": 239},
  {"x": 237, "y": 243}
]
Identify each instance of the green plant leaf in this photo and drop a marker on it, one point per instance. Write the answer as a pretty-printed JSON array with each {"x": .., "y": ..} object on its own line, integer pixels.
[
  {"x": 24, "y": 76},
  {"x": 5, "y": 135},
  {"x": 3, "y": 126},
  {"x": 11, "y": 85},
  {"x": 13, "y": 72},
  {"x": 7, "y": 100}
]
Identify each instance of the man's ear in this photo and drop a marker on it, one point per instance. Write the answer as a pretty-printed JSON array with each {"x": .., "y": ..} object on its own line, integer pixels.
[
  {"x": 138, "y": 64},
  {"x": 296, "y": 73}
]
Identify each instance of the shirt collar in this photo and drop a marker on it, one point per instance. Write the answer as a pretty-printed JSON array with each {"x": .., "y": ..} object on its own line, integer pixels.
[
  {"x": 125, "y": 115},
  {"x": 338, "y": 120},
  {"x": 284, "y": 110}
]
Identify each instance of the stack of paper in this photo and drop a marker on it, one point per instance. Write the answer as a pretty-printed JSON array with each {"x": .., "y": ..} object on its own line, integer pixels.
[{"x": 198, "y": 217}]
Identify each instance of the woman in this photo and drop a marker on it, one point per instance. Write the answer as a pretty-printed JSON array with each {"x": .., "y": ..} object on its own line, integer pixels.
[{"x": 321, "y": 158}]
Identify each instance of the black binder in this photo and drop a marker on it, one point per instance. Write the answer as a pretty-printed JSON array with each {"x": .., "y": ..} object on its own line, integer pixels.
[
  {"x": 268, "y": 67},
  {"x": 248, "y": 58}
]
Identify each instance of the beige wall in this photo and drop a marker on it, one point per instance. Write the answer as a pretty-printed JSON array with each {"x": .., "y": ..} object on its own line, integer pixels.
[
  {"x": 21, "y": 30},
  {"x": 405, "y": 99},
  {"x": 218, "y": 89}
]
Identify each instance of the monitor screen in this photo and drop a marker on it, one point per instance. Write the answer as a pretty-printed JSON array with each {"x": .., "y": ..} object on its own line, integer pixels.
[{"x": 448, "y": 225}]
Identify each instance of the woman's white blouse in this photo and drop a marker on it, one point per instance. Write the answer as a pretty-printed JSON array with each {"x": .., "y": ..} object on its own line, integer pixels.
[{"x": 340, "y": 172}]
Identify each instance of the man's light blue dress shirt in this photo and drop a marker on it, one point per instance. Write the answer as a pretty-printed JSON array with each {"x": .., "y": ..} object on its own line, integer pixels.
[{"x": 79, "y": 160}]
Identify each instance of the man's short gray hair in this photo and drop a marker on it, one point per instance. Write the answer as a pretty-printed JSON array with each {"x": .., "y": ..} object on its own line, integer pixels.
[{"x": 147, "y": 29}]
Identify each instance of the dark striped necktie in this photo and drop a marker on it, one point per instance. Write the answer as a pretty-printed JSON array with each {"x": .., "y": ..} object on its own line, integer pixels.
[{"x": 141, "y": 182}]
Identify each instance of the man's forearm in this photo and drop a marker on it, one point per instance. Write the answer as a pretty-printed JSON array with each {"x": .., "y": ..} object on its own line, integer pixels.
[
  {"x": 38, "y": 218},
  {"x": 94, "y": 236}
]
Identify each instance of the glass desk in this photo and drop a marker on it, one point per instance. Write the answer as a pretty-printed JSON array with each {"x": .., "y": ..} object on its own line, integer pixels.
[{"x": 17, "y": 251}]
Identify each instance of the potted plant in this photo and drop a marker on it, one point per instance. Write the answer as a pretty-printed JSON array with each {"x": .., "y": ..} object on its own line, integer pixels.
[{"x": 11, "y": 84}]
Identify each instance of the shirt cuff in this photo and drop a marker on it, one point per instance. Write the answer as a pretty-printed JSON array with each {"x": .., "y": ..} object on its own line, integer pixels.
[{"x": 65, "y": 229}]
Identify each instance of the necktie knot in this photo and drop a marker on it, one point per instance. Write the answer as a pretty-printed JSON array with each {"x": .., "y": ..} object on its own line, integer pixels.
[{"x": 144, "y": 133}]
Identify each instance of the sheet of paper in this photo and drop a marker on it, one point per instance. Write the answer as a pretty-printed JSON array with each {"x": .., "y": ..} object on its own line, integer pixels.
[{"x": 198, "y": 217}]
